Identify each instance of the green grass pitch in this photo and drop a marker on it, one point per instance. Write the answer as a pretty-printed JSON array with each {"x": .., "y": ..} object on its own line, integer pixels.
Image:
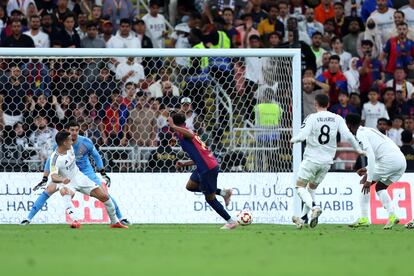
[{"x": 205, "y": 250}]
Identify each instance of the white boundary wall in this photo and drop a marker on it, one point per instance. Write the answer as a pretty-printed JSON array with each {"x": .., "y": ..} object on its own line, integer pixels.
[{"x": 162, "y": 198}]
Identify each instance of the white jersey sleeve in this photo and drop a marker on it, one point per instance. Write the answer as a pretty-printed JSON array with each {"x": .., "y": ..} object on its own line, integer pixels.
[
  {"x": 346, "y": 134},
  {"x": 366, "y": 146},
  {"x": 64, "y": 165}
]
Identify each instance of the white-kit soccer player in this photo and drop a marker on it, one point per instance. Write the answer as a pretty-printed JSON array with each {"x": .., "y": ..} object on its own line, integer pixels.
[
  {"x": 386, "y": 164},
  {"x": 70, "y": 179},
  {"x": 320, "y": 131}
]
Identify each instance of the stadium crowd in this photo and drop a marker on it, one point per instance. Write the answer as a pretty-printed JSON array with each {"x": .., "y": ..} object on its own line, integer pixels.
[{"x": 360, "y": 53}]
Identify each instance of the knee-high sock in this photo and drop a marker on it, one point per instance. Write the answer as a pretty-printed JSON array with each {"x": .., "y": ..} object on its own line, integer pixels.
[
  {"x": 216, "y": 205},
  {"x": 70, "y": 209},
  {"x": 386, "y": 201},
  {"x": 312, "y": 193},
  {"x": 40, "y": 201},
  {"x": 110, "y": 209},
  {"x": 117, "y": 210},
  {"x": 305, "y": 211},
  {"x": 305, "y": 196},
  {"x": 364, "y": 204}
]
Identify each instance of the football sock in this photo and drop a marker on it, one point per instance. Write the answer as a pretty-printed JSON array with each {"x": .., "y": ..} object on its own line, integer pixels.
[
  {"x": 71, "y": 211},
  {"x": 305, "y": 196},
  {"x": 117, "y": 211},
  {"x": 364, "y": 204},
  {"x": 386, "y": 201},
  {"x": 220, "y": 192},
  {"x": 216, "y": 205},
  {"x": 40, "y": 201},
  {"x": 305, "y": 211},
  {"x": 312, "y": 193},
  {"x": 110, "y": 209}
]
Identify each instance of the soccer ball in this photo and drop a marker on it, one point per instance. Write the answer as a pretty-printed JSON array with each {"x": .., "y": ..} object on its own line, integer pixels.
[{"x": 244, "y": 217}]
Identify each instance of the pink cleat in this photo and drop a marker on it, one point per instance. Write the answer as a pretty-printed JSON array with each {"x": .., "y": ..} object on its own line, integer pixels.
[
  {"x": 230, "y": 225},
  {"x": 75, "y": 224},
  {"x": 227, "y": 196},
  {"x": 118, "y": 225}
]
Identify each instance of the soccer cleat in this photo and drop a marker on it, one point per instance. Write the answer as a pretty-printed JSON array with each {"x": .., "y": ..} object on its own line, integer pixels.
[
  {"x": 118, "y": 225},
  {"x": 392, "y": 220},
  {"x": 230, "y": 225},
  {"x": 75, "y": 224},
  {"x": 410, "y": 225},
  {"x": 361, "y": 222},
  {"x": 227, "y": 196},
  {"x": 25, "y": 222},
  {"x": 125, "y": 221},
  {"x": 298, "y": 221},
  {"x": 316, "y": 212}
]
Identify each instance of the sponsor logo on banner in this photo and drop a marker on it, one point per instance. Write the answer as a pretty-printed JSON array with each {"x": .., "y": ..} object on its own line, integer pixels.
[{"x": 400, "y": 193}]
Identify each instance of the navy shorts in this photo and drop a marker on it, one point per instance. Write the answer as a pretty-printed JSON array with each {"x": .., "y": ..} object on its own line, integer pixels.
[{"x": 206, "y": 180}]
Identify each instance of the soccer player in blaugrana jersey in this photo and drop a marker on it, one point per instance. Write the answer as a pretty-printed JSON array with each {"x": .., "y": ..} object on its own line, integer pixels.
[
  {"x": 204, "y": 177},
  {"x": 83, "y": 148}
]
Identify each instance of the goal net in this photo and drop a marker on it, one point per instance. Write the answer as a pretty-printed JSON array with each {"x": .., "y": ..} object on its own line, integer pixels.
[{"x": 240, "y": 106}]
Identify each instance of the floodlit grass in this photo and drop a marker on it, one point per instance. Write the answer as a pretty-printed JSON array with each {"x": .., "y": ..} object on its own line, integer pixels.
[{"x": 204, "y": 250}]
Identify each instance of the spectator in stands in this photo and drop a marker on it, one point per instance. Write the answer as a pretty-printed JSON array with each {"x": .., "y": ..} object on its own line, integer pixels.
[
  {"x": 399, "y": 82},
  {"x": 373, "y": 110},
  {"x": 16, "y": 15},
  {"x": 408, "y": 12},
  {"x": 257, "y": 12},
  {"x": 118, "y": 10},
  {"x": 49, "y": 28},
  {"x": 129, "y": 95},
  {"x": 338, "y": 49},
  {"x": 155, "y": 22},
  {"x": 156, "y": 89},
  {"x": 20, "y": 138},
  {"x": 124, "y": 38},
  {"x": 187, "y": 109},
  {"x": 271, "y": 24},
  {"x": 104, "y": 85},
  {"x": 328, "y": 34},
  {"x": 370, "y": 70},
  {"x": 398, "y": 50},
  {"x": 355, "y": 102},
  {"x": 40, "y": 39},
  {"x": 396, "y": 130},
  {"x": 352, "y": 76},
  {"x": 350, "y": 40},
  {"x": 232, "y": 33},
  {"x": 93, "y": 108},
  {"x": 368, "y": 7},
  {"x": 408, "y": 107},
  {"x": 339, "y": 17},
  {"x": 292, "y": 25},
  {"x": 82, "y": 27},
  {"x": 324, "y": 11},
  {"x": 17, "y": 39},
  {"x": 297, "y": 9},
  {"x": 68, "y": 37},
  {"x": 325, "y": 64},
  {"x": 399, "y": 17},
  {"x": 116, "y": 115},
  {"x": 36, "y": 73},
  {"x": 334, "y": 78},
  {"x": 274, "y": 40},
  {"x": 13, "y": 90},
  {"x": 310, "y": 25},
  {"x": 52, "y": 110},
  {"x": 316, "y": 48},
  {"x": 309, "y": 92},
  {"x": 383, "y": 17},
  {"x": 3, "y": 18},
  {"x": 164, "y": 158},
  {"x": 91, "y": 40},
  {"x": 246, "y": 30},
  {"x": 283, "y": 12},
  {"x": 141, "y": 128},
  {"x": 17, "y": 5},
  {"x": 94, "y": 132},
  {"x": 409, "y": 124},
  {"x": 107, "y": 30},
  {"x": 372, "y": 34},
  {"x": 130, "y": 71},
  {"x": 140, "y": 29},
  {"x": 343, "y": 108},
  {"x": 390, "y": 102},
  {"x": 383, "y": 125},
  {"x": 407, "y": 149},
  {"x": 60, "y": 12},
  {"x": 96, "y": 14},
  {"x": 168, "y": 98},
  {"x": 42, "y": 138}
]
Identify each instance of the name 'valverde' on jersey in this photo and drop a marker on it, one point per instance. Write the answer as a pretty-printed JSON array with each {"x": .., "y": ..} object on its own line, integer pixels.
[
  {"x": 64, "y": 165},
  {"x": 198, "y": 152},
  {"x": 320, "y": 130}
]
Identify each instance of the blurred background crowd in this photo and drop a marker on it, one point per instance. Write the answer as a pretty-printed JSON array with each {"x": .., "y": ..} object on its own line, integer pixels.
[{"x": 358, "y": 52}]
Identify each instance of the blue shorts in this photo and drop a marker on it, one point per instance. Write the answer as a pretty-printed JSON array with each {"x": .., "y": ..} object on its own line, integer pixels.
[
  {"x": 92, "y": 176},
  {"x": 206, "y": 180}
]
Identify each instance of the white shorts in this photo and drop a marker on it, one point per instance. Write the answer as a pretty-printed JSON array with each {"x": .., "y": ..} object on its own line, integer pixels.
[
  {"x": 80, "y": 183},
  {"x": 390, "y": 170},
  {"x": 311, "y": 172}
]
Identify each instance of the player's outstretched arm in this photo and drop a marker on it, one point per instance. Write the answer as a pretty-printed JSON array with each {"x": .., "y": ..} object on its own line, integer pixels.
[
  {"x": 305, "y": 130},
  {"x": 181, "y": 130},
  {"x": 347, "y": 135},
  {"x": 98, "y": 161}
]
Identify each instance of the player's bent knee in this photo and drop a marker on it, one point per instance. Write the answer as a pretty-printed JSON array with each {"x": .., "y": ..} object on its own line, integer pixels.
[
  {"x": 380, "y": 186},
  {"x": 312, "y": 186},
  {"x": 300, "y": 184},
  {"x": 210, "y": 197}
]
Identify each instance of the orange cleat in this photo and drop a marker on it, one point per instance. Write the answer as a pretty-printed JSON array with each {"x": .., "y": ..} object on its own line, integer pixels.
[
  {"x": 75, "y": 224},
  {"x": 118, "y": 225}
]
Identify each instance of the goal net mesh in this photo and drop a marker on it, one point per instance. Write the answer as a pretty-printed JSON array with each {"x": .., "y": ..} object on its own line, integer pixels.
[{"x": 240, "y": 108}]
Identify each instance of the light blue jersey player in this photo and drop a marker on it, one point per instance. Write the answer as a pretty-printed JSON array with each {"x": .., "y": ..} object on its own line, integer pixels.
[{"x": 83, "y": 148}]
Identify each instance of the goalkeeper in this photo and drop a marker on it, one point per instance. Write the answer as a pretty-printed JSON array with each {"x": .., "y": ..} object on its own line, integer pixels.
[{"x": 83, "y": 148}]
